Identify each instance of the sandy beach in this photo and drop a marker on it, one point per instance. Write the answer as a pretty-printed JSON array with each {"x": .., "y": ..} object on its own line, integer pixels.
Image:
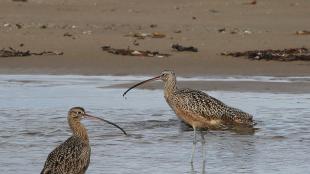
[
  {"x": 80, "y": 28},
  {"x": 36, "y": 91}
]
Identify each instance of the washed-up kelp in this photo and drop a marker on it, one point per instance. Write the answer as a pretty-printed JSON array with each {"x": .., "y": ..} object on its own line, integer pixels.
[
  {"x": 291, "y": 54},
  {"x": 145, "y": 35},
  {"x": 11, "y": 52},
  {"x": 183, "y": 48},
  {"x": 130, "y": 52},
  {"x": 303, "y": 32}
]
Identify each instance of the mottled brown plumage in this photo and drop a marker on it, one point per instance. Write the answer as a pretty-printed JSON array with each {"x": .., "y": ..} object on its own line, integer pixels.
[
  {"x": 72, "y": 156},
  {"x": 203, "y": 111},
  {"x": 197, "y": 108}
]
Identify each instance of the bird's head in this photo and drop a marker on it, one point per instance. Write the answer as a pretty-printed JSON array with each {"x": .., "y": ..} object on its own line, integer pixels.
[
  {"x": 165, "y": 76},
  {"x": 76, "y": 114}
]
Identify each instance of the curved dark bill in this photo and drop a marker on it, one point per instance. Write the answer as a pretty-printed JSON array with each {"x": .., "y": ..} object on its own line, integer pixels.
[
  {"x": 155, "y": 78},
  {"x": 101, "y": 119}
]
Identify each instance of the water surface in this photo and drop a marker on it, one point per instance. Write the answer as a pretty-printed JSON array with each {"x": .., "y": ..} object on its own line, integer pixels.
[{"x": 33, "y": 122}]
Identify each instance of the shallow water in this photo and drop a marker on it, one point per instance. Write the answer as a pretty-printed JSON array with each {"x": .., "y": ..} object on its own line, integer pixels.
[{"x": 33, "y": 121}]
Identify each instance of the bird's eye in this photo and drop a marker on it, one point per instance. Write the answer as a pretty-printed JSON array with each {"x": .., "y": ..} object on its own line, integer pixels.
[{"x": 79, "y": 112}]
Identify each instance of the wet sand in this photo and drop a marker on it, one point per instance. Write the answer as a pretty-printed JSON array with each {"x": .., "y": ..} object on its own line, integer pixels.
[
  {"x": 96, "y": 23},
  {"x": 270, "y": 87}
]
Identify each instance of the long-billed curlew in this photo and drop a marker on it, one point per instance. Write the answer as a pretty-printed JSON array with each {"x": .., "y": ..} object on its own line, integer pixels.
[
  {"x": 198, "y": 109},
  {"x": 73, "y": 156}
]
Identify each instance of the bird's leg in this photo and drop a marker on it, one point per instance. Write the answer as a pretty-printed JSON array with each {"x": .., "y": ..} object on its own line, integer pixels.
[
  {"x": 192, "y": 169},
  {"x": 194, "y": 145},
  {"x": 203, "y": 170},
  {"x": 203, "y": 145}
]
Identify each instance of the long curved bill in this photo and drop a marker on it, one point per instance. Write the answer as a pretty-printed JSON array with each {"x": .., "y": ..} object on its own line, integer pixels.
[
  {"x": 138, "y": 84},
  {"x": 101, "y": 119}
]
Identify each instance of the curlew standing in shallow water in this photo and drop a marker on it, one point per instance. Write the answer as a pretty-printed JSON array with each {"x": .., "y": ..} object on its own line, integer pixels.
[
  {"x": 198, "y": 109},
  {"x": 73, "y": 156}
]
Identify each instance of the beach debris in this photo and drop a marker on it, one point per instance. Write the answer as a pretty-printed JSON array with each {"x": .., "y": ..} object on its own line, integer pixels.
[
  {"x": 144, "y": 35},
  {"x": 88, "y": 32},
  {"x": 303, "y": 32},
  {"x": 43, "y": 26},
  {"x": 153, "y": 25},
  {"x": 214, "y": 11},
  {"x": 177, "y": 31},
  {"x": 247, "y": 32},
  {"x": 158, "y": 35},
  {"x": 48, "y": 53},
  {"x": 137, "y": 35},
  {"x": 253, "y": 2},
  {"x": 290, "y": 54},
  {"x": 136, "y": 43},
  {"x": 221, "y": 30},
  {"x": 6, "y": 25},
  {"x": 67, "y": 34},
  {"x": 19, "y": 26},
  {"x": 183, "y": 48},
  {"x": 130, "y": 52},
  {"x": 11, "y": 52},
  {"x": 234, "y": 31}
]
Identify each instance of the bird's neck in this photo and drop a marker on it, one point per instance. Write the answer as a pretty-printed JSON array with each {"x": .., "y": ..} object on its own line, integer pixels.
[
  {"x": 78, "y": 130},
  {"x": 170, "y": 87}
]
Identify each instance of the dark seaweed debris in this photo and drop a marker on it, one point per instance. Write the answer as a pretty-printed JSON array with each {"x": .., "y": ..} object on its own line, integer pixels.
[
  {"x": 291, "y": 54},
  {"x": 303, "y": 32},
  {"x": 11, "y": 52},
  {"x": 183, "y": 48},
  {"x": 130, "y": 52}
]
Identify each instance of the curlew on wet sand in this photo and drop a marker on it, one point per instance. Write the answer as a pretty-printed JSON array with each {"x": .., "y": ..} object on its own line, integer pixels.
[
  {"x": 198, "y": 109},
  {"x": 73, "y": 156}
]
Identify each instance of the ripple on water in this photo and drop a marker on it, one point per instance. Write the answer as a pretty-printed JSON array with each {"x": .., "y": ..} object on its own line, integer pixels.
[{"x": 33, "y": 122}]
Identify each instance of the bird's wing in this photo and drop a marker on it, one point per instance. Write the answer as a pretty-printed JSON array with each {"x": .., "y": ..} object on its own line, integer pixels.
[
  {"x": 198, "y": 102},
  {"x": 66, "y": 156}
]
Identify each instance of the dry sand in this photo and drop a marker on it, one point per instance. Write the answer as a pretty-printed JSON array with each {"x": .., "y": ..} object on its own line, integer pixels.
[{"x": 96, "y": 23}]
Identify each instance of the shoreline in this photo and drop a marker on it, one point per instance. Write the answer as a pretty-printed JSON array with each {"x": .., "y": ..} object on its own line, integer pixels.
[
  {"x": 260, "y": 87},
  {"x": 260, "y": 84},
  {"x": 133, "y": 66},
  {"x": 213, "y": 27}
]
